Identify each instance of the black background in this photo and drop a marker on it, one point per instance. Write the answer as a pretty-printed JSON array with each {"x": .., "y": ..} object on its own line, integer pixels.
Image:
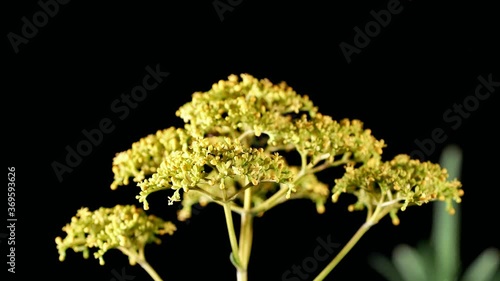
[{"x": 64, "y": 79}]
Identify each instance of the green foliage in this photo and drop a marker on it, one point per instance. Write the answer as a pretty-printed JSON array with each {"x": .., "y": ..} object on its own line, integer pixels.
[{"x": 438, "y": 259}]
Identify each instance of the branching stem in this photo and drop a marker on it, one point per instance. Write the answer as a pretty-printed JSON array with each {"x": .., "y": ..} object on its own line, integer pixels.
[{"x": 379, "y": 213}]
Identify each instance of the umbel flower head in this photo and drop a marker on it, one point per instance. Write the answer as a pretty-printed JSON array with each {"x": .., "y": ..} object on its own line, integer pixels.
[
  {"x": 123, "y": 227},
  {"x": 238, "y": 136},
  {"x": 234, "y": 138},
  {"x": 397, "y": 184}
]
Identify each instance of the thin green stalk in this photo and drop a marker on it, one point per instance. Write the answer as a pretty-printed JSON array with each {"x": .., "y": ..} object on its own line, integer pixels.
[
  {"x": 141, "y": 260},
  {"x": 232, "y": 235},
  {"x": 235, "y": 208},
  {"x": 147, "y": 267},
  {"x": 378, "y": 214},
  {"x": 270, "y": 202},
  {"x": 246, "y": 236},
  {"x": 276, "y": 197},
  {"x": 354, "y": 239},
  {"x": 246, "y": 230}
]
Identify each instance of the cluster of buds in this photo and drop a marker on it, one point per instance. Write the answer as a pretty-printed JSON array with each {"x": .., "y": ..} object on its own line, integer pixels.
[
  {"x": 398, "y": 183},
  {"x": 236, "y": 136},
  {"x": 123, "y": 227},
  {"x": 250, "y": 145}
]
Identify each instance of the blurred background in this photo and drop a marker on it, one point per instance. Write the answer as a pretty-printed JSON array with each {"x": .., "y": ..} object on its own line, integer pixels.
[{"x": 420, "y": 74}]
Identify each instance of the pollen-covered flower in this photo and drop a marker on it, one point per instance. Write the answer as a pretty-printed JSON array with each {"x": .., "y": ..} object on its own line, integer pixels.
[
  {"x": 243, "y": 104},
  {"x": 321, "y": 138},
  {"x": 123, "y": 227},
  {"x": 236, "y": 136},
  {"x": 233, "y": 136},
  {"x": 400, "y": 182},
  {"x": 213, "y": 164},
  {"x": 146, "y": 155}
]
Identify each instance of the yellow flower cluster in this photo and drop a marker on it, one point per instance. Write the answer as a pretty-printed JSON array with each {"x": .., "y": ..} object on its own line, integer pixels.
[
  {"x": 234, "y": 106},
  {"x": 399, "y": 182},
  {"x": 236, "y": 136},
  {"x": 214, "y": 162},
  {"x": 123, "y": 227},
  {"x": 146, "y": 155}
]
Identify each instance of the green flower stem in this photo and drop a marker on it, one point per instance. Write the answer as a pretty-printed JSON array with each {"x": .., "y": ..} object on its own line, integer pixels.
[
  {"x": 246, "y": 231},
  {"x": 147, "y": 267},
  {"x": 276, "y": 198},
  {"x": 246, "y": 134},
  {"x": 354, "y": 239},
  {"x": 141, "y": 260},
  {"x": 246, "y": 237},
  {"x": 378, "y": 214},
  {"x": 345, "y": 159},
  {"x": 241, "y": 275},
  {"x": 235, "y": 208},
  {"x": 232, "y": 235},
  {"x": 270, "y": 202}
]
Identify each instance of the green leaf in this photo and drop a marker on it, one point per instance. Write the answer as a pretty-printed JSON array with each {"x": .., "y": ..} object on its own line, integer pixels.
[
  {"x": 451, "y": 159},
  {"x": 484, "y": 267},
  {"x": 384, "y": 267},
  {"x": 497, "y": 276},
  {"x": 445, "y": 233},
  {"x": 409, "y": 263},
  {"x": 427, "y": 254},
  {"x": 233, "y": 261}
]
